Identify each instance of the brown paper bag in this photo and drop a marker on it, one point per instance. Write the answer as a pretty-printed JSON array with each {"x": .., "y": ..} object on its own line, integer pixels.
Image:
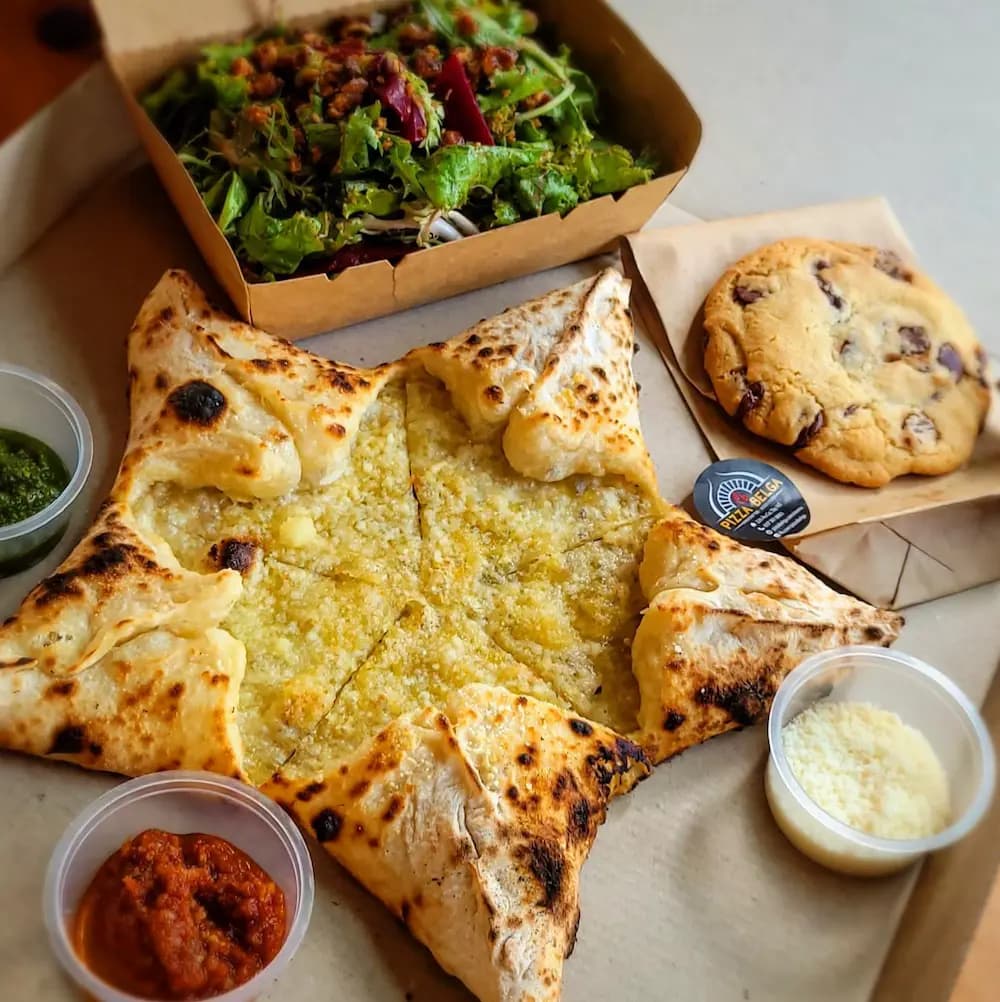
[{"x": 915, "y": 539}]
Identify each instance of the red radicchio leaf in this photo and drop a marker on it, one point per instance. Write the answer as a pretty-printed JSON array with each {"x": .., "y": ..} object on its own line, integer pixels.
[
  {"x": 394, "y": 91},
  {"x": 461, "y": 110},
  {"x": 362, "y": 253}
]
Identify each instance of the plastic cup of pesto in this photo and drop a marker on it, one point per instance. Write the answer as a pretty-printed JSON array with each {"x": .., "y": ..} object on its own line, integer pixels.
[
  {"x": 925, "y": 699},
  {"x": 32, "y": 405}
]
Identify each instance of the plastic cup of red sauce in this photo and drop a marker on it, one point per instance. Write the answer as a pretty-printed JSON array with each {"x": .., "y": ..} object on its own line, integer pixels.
[{"x": 180, "y": 803}]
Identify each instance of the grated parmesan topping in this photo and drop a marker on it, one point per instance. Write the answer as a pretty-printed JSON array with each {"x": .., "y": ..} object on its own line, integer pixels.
[{"x": 868, "y": 769}]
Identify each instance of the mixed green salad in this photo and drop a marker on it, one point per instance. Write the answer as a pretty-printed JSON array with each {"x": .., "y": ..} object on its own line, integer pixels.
[{"x": 315, "y": 151}]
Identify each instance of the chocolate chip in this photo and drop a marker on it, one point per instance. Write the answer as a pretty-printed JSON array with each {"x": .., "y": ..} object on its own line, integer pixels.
[
  {"x": 835, "y": 301},
  {"x": 751, "y": 398},
  {"x": 918, "y": 429},
  {"x": 890, "y": 263},
  {"x": 745, "y": 296},
  {"x": 951, "y": 360},
  {"x": 913, "y": 340},
  {"x": 810, "y": 431},
  {"x": 850, "y": 353}
]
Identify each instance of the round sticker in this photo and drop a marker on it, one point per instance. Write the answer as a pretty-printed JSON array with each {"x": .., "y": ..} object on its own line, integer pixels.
[{"x": 747, "y": 499}]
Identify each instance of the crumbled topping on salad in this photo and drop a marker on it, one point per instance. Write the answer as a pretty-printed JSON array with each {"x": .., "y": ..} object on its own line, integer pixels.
[{"x": 318, "y": 150}]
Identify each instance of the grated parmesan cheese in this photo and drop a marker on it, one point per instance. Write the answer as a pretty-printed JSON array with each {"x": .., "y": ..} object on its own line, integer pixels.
[{"x": 868, "y": 769}]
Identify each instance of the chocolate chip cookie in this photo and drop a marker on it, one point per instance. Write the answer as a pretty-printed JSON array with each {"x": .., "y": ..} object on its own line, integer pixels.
[{"x": 848, "y": 356}]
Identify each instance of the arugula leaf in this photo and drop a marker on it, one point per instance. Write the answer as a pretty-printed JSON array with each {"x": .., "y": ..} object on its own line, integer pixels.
[
  {"x": 234, "y": 202},
  {"x": 325, "y": 135},
  {"x": 584, "y": 94},
  {"x": 404, "y": 167},
  {"x": 364, "y": 196},
  {"x": 213, "y": 194},
  {"x": 513, "y": 86},
  {"x": 279, "y": 245},
  {"x": 569, "y": 127},
  {"x": 441, "y": 20},
  {"x": 170, "y": 95},
  {"x": 357, "y": 139},
  {"x": 452, "y": 172},
  {"x": 548, "y": 188}
]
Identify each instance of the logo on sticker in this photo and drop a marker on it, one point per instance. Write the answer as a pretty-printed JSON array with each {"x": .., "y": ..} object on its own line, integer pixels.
[{"x": 747, "y": 499}]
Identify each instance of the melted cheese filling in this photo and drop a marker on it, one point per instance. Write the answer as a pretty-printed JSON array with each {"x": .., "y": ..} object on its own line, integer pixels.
[{"x": 428, "y": 565}]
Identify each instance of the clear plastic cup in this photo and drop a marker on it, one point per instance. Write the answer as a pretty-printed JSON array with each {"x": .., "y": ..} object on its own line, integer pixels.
[
  {"x": 36, "y": 406},
  {"x": 925, "y": 699},
  {"x": 182, "y": 803}
]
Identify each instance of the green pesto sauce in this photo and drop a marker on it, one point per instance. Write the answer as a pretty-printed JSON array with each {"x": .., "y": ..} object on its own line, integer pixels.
[{"x": 32, "y": 476}]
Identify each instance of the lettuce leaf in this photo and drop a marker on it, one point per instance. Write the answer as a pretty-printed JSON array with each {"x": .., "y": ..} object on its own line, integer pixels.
[
  {"x": 603, "y": 169},
  {"x": 279, "y": 245},
  {"x": 452, "y": 172},
  {"x": 504, "y": 212},
  {"x": 358, "y": 138},
  {"x": 513, "y": 86},
  {"x": 549, "y": 188},
  {"x": 365, "y": 196},
  {"x": 404, "y": 168}
]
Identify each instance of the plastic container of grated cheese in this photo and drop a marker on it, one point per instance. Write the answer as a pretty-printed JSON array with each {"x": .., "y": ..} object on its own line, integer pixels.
[{"x": 922, "y": 697}]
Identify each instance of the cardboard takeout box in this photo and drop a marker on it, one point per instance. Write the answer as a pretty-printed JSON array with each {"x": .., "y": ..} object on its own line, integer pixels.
[{"x": 643, "y": 106}]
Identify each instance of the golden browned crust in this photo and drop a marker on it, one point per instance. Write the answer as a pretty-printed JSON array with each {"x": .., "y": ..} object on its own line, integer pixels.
[
  {"x": 557, "y": 372},
  {"x": 471, "y": 822},
  {"x": 724, "y": 626}
]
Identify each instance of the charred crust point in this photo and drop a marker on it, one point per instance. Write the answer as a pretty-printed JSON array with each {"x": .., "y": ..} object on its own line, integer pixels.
[
  {"x": 68, "y": 740},
  {"x": 579, "y": 819},
  {"x": 673, "y": 720},
  {"x": 581, "y": 727},
  {"x": 197, "y": 402},
  {"x": 308, "y": 792},
  {"x": 327, "y": 824},
  {"x": 393, "y": 808},
  {"x": 547, "y": 865},
  {"x": 745, "y": 702},
  {"x": 60, "y": 689}
]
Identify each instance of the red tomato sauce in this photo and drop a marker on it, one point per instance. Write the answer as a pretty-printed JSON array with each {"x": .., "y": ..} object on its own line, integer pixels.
[{"x": 179, "y": 917}]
